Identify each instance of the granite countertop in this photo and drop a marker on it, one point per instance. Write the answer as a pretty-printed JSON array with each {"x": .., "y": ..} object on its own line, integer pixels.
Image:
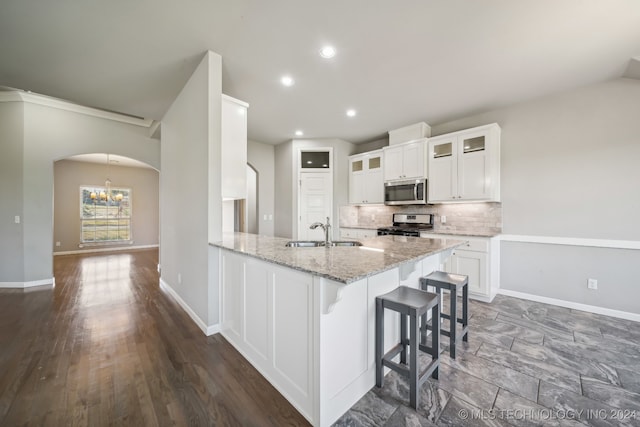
[
  {"x": 342, "y": 264},
  {"x": 476, "y": 233}
]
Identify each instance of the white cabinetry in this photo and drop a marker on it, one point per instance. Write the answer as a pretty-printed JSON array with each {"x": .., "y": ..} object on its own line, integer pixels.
[
  {"x": 465, "y": 166},
  {"x": 357, "y": 233},
  {"x": 405, "y": 161},
  {"x": 366, "y": 184},
  {"x": 479, "y": 259},
  {"x": 234, "y": 148}
]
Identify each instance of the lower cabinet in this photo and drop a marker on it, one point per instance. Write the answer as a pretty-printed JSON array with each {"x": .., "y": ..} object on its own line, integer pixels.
[
  {"x": 267, "y": 315},
  {"x": 357, "y": 233},
  {"x": 479, "y": 259}
]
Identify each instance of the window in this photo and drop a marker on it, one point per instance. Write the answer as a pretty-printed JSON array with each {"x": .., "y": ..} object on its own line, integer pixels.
[
  {"x": 105, "y": 214},
  {"x": 315, "y": 159}
]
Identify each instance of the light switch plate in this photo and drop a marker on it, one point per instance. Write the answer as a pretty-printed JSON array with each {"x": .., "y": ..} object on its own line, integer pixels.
[{"x": 17, "y": 219}]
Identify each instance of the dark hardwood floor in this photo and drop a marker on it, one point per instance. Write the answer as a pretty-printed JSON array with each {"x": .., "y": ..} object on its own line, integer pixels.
[{"x": 106, "y": 346}]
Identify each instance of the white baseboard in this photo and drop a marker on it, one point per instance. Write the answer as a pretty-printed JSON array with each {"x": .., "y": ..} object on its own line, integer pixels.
[
  {"x": 31, "y": 284},
  {"x": 118, "y": 248},
  {"x": 574, "y": 305},
  {"x": 208, "y": 330}
]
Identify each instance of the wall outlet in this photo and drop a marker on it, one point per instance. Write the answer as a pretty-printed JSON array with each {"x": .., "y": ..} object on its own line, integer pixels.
[
  {"x": 16, "y": 219},
  {"x": 443, "y": 219},
  {"x": 179, "y": 279},
  {"x": 592, "y": 283},
  {"x": 58, "y": 244}
]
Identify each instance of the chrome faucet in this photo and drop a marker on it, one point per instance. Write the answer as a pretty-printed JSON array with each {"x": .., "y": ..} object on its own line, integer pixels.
[{"x": 326, "y": 227}]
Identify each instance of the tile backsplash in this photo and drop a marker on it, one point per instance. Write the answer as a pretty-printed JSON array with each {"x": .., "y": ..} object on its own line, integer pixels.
[{"x": 477, "y": 217}]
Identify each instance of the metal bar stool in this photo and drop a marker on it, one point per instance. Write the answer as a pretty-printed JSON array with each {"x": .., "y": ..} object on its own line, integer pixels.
[
  {"x": 452, "y": 282},
  {"x": 415, "y": 304}
]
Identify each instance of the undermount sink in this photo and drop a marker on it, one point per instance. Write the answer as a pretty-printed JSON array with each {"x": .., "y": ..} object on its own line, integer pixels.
[
  {"x": 346, "y": 243},
  {"x": 318, "y": 243},
  {"x": 304, "y": 244}
]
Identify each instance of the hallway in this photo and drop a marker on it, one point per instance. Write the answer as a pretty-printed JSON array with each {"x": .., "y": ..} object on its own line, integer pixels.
[{"x": 106, "y": 346}]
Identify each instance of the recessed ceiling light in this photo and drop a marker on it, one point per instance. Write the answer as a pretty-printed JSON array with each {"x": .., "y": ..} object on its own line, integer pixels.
[
  {"x": 287, "y": 81},
  {"x": 299, "y": 133},
  {"x": 351, "y": 113},
  {"x": 328, "y": 52}
]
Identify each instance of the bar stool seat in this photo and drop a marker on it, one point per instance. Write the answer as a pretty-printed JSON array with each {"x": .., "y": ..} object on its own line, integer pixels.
[
  {"x": 453, "y": 283},
  {"x": 415, "y": 304}
]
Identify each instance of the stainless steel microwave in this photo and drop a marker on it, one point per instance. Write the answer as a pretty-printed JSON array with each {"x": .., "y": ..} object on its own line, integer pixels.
[{"x": 410, "y": 192}]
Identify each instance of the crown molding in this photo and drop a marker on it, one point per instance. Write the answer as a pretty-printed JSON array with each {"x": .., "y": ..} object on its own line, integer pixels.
[{"x": 18, "y": 96}]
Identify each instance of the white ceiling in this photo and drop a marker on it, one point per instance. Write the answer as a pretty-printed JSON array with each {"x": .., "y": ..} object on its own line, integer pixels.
[{"x": 398, "y": 62}]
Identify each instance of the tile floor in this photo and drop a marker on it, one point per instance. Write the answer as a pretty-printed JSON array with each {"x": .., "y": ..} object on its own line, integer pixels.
[{"x": 526, "y": 364}]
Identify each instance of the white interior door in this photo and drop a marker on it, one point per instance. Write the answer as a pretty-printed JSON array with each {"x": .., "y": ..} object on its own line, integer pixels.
[{"x": 315, "y": 196}]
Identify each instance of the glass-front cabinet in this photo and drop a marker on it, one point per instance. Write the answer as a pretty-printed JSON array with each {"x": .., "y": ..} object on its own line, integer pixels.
[
  {"x": 465, "y": 166},
  {"x": 366, "y": 185}
]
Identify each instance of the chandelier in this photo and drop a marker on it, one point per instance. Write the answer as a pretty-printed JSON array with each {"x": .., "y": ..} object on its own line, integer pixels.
[{"x": 106, "y": 195}]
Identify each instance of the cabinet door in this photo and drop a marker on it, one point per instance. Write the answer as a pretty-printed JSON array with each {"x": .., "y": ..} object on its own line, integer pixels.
[
  {"x": 474, "y": 265},
  {"x": 413, "y": 160},
  {"x": 473, "y": 166},
  {"x": 393, "y": 168},
  {"x": 442, "y": 181},
  {"x": 374, "y": 181},
  {"x": 356, "y": 180}
]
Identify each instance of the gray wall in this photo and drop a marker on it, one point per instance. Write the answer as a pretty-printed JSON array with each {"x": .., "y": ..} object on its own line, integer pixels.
[
  {"x": 371, "y": 146},
  {"x": 569, "y": 168},
  {"x": 51, "y": 134},
  {"x": 190, "y": 198},
  {"x": 70, "y": 175},
  {"x": 284, "y": 180},
  {"x": 262, "y": 158},
  {"x": 11, "y": 241},
  {"x": 286, "y": 198}
]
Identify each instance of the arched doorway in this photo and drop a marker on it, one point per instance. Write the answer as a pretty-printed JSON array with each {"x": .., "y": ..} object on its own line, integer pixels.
[{"x": 104, "y": 202}]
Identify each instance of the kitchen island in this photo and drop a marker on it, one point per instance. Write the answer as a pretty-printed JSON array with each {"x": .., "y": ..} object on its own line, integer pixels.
[{"x": 305, "y": 317}]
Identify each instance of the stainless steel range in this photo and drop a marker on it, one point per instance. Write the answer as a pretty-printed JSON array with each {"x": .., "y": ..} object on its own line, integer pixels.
[{"x": 408, "y": 225}]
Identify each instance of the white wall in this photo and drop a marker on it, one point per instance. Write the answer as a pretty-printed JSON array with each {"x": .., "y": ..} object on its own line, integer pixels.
[
  {"x": 286, "y": 198},
  {"x": 12, "y": 238},
  {"x": 262, "y": 158},
  {"x": 570, "y": 170},
  {"x": 49, "y": 134},
  {"x": 191, "y": 202},
  {"x": 70, "y": 175}
]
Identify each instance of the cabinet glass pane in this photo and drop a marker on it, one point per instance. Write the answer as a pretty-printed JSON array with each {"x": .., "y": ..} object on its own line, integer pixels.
[
  {"x": 473, "y": 144},
  {"x": 314, "y": 159},
  {"x": 356, "y": 166},
  {"x": 443, "y": 150},
  {"x": 374, "y": 163}
]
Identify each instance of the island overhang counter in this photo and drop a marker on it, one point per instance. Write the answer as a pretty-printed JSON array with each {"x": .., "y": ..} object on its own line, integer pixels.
[{"x": 305, "y": 317}]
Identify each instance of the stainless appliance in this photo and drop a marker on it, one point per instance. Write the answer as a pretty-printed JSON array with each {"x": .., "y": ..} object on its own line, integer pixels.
[
  {"x": 410, "y": 192},
  {"x": 408, "y": 225}
]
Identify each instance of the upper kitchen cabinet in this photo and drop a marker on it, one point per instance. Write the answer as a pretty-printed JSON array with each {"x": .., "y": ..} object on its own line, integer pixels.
[
  {"x": 405, "y": 161},
  {"x": 465, "y": 166},
  {"x": 366, "y": 183},
  {"x": 234, "y": 148}
]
